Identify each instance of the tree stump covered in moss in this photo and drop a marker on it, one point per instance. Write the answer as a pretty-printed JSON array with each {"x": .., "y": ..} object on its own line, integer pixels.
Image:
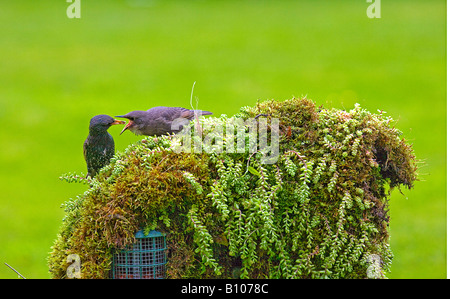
[{"x": 320, "y": 211}]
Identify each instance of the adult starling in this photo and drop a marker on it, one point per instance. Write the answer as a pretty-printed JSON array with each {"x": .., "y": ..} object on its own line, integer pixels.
[
  {"x": 160, "y": 120},
  {"x": 98, "y": 148}
]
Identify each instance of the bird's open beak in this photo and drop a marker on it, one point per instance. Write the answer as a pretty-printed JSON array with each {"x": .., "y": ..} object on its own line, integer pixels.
[
  {"x": 129, "y": 124},
  {"x": 118, "y": 122},
  {"x": 123, "y": 122}
]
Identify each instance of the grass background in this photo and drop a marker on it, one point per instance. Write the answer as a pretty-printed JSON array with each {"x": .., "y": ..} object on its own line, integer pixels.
[{"x": 56, "y": 73}]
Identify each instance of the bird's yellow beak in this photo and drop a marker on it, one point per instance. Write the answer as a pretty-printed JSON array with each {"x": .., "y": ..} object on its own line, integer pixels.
[
  {"x": 129, "y": 124},
  {"x": 118, "y": 122}
]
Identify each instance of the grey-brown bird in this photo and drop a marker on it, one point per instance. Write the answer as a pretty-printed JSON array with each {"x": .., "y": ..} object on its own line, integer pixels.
[
  {"x": 160, "y": 120},
  {"x": 98, "y": 148}
]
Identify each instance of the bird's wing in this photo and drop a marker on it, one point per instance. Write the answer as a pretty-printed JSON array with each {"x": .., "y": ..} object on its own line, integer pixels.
[
  {"x": 85, "y": 154},
  {"x": 168, "y": 113},
  {"x": 190, "y": 114},
  {"x": 171, "y": 113},
  {"x": 84, "y": 149}
]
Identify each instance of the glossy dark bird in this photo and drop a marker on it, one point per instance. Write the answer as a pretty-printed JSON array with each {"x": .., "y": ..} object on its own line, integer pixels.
[
  {"x": 160, "y": 120},
  {"x": 98, "y": 148}
]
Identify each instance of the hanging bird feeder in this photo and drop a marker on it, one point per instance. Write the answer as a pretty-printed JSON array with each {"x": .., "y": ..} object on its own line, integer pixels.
[{"x": 145, "y": 259}]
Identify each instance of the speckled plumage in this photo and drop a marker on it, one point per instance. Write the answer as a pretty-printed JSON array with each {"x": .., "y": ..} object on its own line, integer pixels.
[{"x": 98, "y": 148}]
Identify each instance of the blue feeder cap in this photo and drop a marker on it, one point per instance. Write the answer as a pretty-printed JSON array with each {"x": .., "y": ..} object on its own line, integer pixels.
[{"x": 152, "y": 234}]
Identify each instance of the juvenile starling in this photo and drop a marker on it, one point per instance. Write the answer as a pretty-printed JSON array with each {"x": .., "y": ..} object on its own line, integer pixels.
[
  {"x": 160, "y": 120},
  {"x": 98, "y": 148}
]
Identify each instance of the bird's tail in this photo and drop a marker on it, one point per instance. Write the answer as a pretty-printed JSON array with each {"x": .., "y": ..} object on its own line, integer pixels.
[{"x": 200, "y": 112}]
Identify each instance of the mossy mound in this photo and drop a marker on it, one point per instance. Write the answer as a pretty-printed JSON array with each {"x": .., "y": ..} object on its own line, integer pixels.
[{"x": 320, "y": 211}]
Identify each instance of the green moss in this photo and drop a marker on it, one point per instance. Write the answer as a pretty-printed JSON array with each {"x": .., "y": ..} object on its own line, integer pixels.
[{"x": 321, "y": 211}]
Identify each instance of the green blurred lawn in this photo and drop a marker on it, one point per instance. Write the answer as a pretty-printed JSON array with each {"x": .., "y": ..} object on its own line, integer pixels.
[{"x": 56, "y": 73}]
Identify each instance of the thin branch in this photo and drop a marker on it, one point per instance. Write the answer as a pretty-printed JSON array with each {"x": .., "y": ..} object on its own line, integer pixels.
[{"x": 15, "y": 271}]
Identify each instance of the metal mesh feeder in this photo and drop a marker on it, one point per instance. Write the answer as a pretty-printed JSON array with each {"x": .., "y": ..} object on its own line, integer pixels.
[{"x": 145, "y": 259}]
